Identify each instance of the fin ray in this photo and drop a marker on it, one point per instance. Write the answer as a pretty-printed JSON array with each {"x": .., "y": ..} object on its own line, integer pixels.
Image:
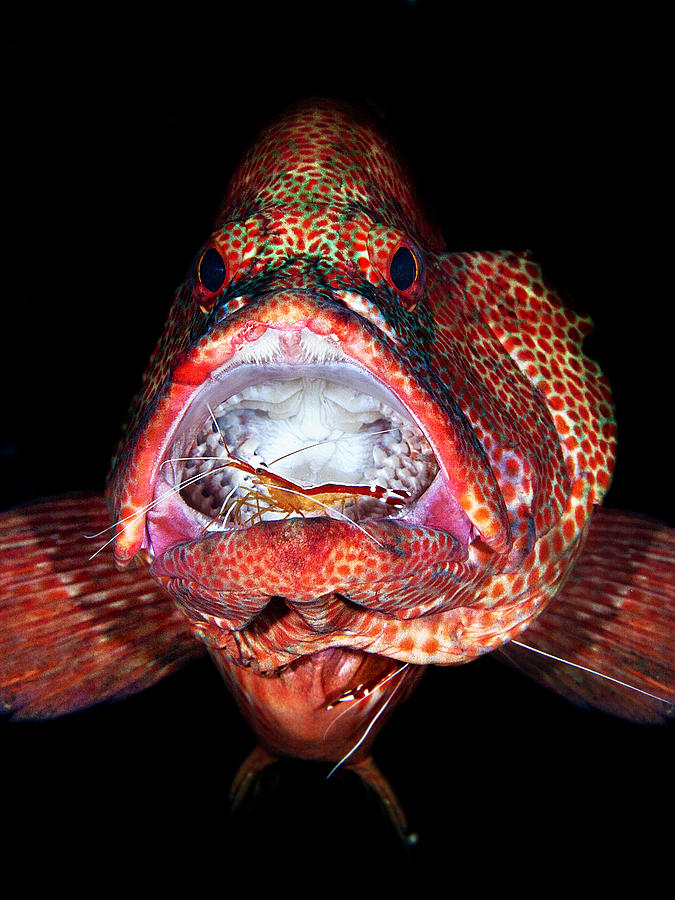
[
  {"x": 615, "y": 615},
  {"x": 73, "y": 630}
]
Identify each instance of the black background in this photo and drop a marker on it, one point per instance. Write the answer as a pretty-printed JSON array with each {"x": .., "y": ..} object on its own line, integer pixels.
[{"x": 522, "y": 132}]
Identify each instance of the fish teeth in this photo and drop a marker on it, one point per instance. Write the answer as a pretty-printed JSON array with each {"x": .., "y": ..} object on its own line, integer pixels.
[
  {"x": 265, "y": 349},
  {"x": 319, "y": 349}
]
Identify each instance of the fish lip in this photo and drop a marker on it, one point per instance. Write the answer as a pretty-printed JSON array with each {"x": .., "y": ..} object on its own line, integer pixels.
[{"x": 290, "y": 352}]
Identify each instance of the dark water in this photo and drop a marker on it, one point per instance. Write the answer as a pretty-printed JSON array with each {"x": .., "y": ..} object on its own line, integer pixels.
[{"x": 122, "y": 139}]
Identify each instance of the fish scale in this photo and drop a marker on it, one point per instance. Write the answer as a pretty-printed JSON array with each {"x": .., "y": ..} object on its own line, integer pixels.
[{"x": 324, "y": 266}]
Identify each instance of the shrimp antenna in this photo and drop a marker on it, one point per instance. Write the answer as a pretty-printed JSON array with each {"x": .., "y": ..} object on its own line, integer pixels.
[
  {"x": 133, "y": 516},
  {"x": 348, "y": 702},
  {"x": 366, "y": 732}
]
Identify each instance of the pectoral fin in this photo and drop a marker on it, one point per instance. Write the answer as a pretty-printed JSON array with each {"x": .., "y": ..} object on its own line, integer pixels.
[
  {"x": 614, "y": 616},
  {"x": 73, "y": 630}
]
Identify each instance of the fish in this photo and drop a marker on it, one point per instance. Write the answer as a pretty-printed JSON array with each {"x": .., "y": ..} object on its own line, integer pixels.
[{"x": 353, "y": 455}]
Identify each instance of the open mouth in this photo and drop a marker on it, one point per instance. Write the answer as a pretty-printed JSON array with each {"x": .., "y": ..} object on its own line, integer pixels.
[
  {"x": 291, "y": 427},
  {"x": 302, "y": 445},
  {"x": 326, "y": 444}
]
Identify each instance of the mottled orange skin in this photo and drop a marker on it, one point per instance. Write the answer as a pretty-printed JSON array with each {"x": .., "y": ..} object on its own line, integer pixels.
[{"x": 479, "y": 349}]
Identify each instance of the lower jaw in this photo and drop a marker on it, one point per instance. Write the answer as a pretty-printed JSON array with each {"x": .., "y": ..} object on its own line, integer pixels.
[{"x": 321, "y": 706}]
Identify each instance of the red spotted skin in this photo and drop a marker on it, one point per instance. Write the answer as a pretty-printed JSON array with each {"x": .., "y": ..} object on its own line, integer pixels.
[{"x": 479, "y": 349}]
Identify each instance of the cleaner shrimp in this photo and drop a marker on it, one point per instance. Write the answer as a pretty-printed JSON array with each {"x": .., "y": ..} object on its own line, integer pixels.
[{"x": 267, "y": 492}]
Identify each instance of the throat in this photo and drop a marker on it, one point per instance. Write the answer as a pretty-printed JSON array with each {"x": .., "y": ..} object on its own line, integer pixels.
[
  {"x": 320, "y": 706},
  {"x": 267, "y": 452}
]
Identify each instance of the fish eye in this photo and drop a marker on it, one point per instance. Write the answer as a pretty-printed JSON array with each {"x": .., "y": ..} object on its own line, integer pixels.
[
  {"x": 403, "y": 269},
  {"x": 211, "y": 270}
]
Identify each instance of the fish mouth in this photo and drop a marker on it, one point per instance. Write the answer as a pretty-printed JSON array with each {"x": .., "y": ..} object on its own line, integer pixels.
[
  {"x": 300, "y": 505},
  {"x": 301, "y": 442},
  {"x": 291, "y": 428}
]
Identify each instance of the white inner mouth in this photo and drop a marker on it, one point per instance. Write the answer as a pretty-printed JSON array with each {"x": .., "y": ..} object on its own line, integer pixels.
[{"x": 310, "y": 431}]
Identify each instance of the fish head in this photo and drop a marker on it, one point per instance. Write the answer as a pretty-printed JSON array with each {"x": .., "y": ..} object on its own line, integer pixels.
[{"x": 352, "y": 450}]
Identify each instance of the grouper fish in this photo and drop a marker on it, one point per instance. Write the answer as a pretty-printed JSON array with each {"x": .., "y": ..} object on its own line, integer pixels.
[{"x": 353, "y": 455}]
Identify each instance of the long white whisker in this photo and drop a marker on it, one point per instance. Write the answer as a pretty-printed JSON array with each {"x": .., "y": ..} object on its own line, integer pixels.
[
  {"x": 173, "y": 459},
  {"x": 134, "y": 516},
  {"x": 365, "y": 733},
  {"x": 220, "y": 433},
  {"x": 591, "y": 671},
  {"x": 227, "y": 514},
  {"x": 343, "y": 713},
  {"x": 180, "y": 487},
  {"x": 222, "y": 507},
  {"x": 352, "y": 700}
]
